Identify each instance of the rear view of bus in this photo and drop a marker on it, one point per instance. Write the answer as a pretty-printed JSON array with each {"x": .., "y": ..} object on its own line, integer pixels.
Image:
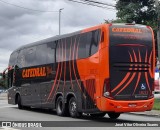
[{"x": 129, "y": 87}]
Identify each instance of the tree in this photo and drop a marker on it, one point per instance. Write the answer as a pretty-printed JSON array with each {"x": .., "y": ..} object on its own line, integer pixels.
[
  {"x": 3, "y": 82},
  {"x": 138, "y": 11},
  {"x": 113, "y": 21}
]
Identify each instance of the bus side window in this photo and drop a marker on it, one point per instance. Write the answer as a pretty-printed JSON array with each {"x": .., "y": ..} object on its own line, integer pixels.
[
  {"x": 51, "y": 52},
  {"x": 13, "y": 59},
  {"x": 21, "y": 59},
  {"x": 92, "y": 42},
  {"x": 41, "y": 54},
  {"x": 30, "y": 56},
  {"x": 82, "y": 46},
  {"x": 58, "y": 55}
]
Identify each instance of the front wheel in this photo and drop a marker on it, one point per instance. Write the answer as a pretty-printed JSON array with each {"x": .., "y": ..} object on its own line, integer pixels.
[
  {"x": 73, "y": 108},
  {"x": 113, "y": 115},
  {"x": 19, "y": 102}
]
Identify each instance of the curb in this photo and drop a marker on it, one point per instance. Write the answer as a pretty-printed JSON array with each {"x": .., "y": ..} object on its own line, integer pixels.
[
  {"x": 145, "y": 114},
  {"x": 3, "y": 98}
]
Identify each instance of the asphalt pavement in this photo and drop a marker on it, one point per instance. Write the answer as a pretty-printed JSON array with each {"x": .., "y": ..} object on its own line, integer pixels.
[{"x": 12, "y": 114}]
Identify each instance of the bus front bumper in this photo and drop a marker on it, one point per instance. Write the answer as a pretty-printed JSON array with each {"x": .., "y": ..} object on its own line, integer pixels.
[{"x": 109, "y": 105}]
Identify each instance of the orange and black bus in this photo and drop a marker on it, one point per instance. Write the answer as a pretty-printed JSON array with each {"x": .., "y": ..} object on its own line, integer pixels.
[{"x": 103, "y": 69}]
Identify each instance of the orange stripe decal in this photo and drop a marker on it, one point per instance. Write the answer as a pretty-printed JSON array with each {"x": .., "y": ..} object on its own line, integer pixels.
[
  {"x": 74, "y": 49},
  {"x": 127, "y": 83},
  {"x": 150, "y": 71},
  {"x": 139, "y": 74},
  {"x": 125, "y": 78},
  {"x": 70, "y": 71},
  {"x": 61, "y": 63},
  {"x": 64, "y": 65},
  {"x": 146, "y": 76},
  {"x": 54, "y": 80}
]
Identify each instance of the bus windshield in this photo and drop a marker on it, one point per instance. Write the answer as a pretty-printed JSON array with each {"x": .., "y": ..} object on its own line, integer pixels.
[{"x": 129, "y": 34}]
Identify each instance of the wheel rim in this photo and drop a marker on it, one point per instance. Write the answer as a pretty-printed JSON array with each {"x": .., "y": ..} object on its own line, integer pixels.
[
  {"x": 73, "y": 107},
  {"x": 59, "y": 106}
]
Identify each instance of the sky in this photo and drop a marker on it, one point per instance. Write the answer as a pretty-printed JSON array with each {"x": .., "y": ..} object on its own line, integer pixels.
[{"x": 20, "y": 26}]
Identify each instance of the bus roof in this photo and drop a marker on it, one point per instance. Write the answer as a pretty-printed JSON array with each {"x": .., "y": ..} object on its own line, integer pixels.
[
  {"x": 57, "y": 37},
  {"x": 47, "y": 40}
]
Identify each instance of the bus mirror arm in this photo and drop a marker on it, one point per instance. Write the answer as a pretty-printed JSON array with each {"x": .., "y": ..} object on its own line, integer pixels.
[
  {"x": 4, "y": 76},
  {"x": 4, "y": 72}
]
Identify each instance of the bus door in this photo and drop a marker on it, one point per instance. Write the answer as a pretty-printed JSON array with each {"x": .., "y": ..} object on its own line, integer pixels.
[
  {"x": 131, "y": 62},
  {"x": 9, "y": 79},
  {"x": 23, "y": 82}
]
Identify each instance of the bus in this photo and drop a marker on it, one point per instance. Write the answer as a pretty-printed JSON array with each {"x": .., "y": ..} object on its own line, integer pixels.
[{"x": 105, "y": 69}]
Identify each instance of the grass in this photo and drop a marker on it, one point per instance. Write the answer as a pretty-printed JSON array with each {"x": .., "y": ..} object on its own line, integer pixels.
[{"x": 156, "y": 104}]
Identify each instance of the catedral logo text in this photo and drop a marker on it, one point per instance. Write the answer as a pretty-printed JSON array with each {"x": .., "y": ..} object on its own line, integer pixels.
[
  {"x": 34, "y": 72},
  {"x": 127, "y": 30}
]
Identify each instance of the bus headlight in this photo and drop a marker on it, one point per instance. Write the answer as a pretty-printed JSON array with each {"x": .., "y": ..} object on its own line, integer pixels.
[{"x": 107, "y": 89}]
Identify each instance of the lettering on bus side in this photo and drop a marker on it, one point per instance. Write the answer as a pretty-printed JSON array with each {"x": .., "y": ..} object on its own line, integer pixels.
[
  {"x": 34, "y": 72},
  {"x": 128, "y": 30}
]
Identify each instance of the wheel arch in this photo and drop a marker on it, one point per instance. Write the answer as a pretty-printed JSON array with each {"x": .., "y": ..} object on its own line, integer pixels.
[
  {"x": 56, "y": 97},
  {"x": 69, "y": 96},
  {"x": 16, "y": 97}
]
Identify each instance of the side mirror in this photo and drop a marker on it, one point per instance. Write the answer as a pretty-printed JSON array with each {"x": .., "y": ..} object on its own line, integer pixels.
[
  {"x": 1, "y": 75},
  {"x": 4, "y": 76}
]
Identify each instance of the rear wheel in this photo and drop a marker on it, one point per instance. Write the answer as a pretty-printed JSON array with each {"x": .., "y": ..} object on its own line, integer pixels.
[
  {"x": 60, "y": 107},
  {"x": 19, "y": 102},
  {"x": 73, "y": 108},
  {"x": 113, "y": 115},
  {"x": 98, "y": 115}
]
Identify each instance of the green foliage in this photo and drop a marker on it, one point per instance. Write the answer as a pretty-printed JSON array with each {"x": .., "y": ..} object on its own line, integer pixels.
[
  {"x": 3, "y": 82},
  {"x": 138, "y": 11},
  {"x": 114, "y": 21},
  {"x": 156, "y": 104}
]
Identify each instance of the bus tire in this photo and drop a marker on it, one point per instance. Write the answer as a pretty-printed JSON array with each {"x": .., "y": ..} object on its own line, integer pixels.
[
  {"x": 60, "y": 106},
  {"x": 73, "y": 111},
  {"x": 113, "y": 115},
  {"x": 98, "y": 115},
  {"x": 19, "y": 102}
]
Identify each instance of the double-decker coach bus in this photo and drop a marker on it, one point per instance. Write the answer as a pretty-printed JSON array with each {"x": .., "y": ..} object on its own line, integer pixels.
[{"x": 103, "y": 69}]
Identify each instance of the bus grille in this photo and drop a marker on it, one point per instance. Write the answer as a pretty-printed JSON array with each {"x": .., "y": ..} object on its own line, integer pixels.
[{"x": 132, "y": 66}]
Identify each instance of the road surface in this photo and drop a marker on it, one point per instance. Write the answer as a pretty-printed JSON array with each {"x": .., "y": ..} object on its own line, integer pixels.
[{"x": 12, "y": 113}]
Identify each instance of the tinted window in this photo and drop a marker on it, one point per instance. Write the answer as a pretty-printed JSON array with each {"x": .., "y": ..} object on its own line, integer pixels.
[
  {"x": 68, "y": 43},
  {"x": 62, "y": 48},
  {"x": 58, "y": 51},
  {"x": 13, "y": 59},
  {"x": 30, "y": 56},
  {"x": 78, "y": 46},
  {"x": 95, "y": 39},
  {"x": 88, "y": 44},
  {"x": 92, "y": 42},
  {"x": 82, "y": 46},
  {"x": 21, "y": 59},
  {"x": 50, "y": 54},
  {"x": 41, "y": 56}
]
